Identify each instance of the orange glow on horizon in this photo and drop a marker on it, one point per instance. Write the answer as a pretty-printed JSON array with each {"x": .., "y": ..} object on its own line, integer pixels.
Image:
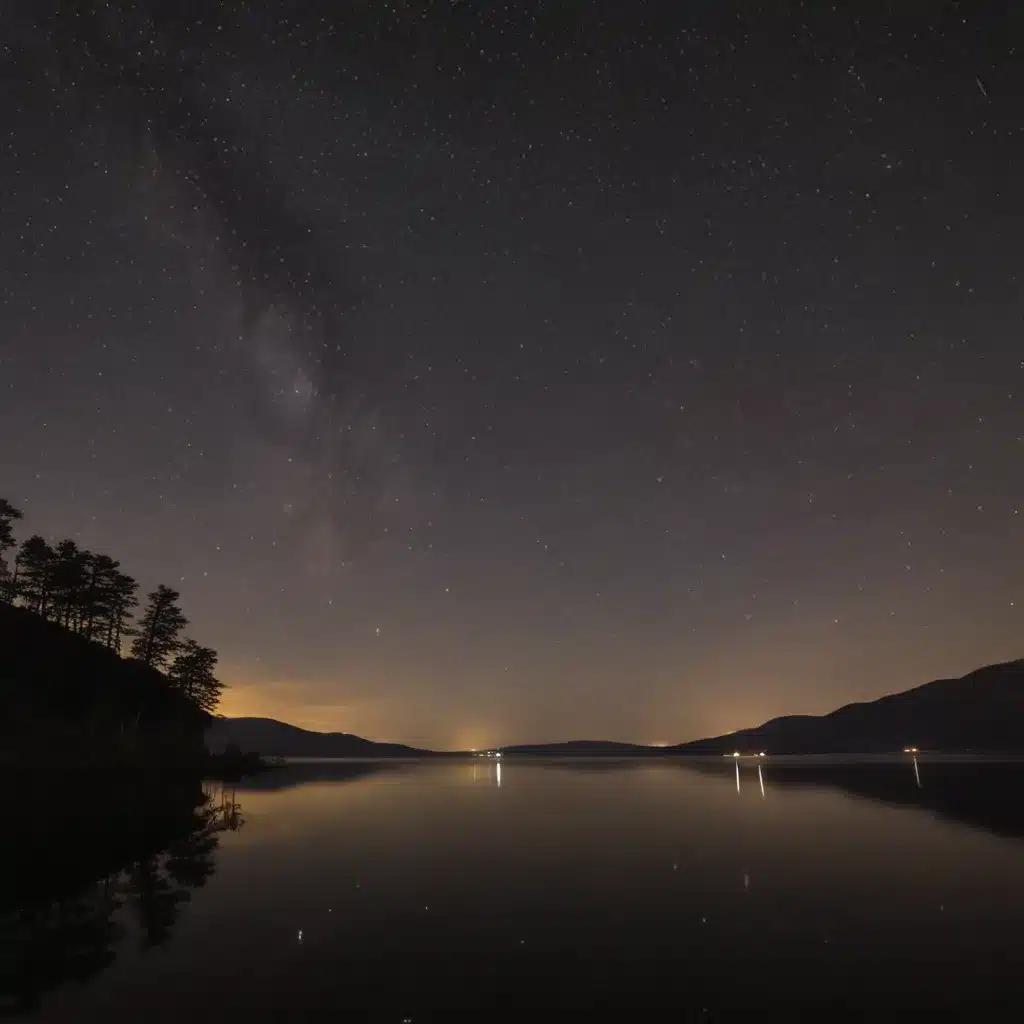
[{"x": 379, "y": 718}]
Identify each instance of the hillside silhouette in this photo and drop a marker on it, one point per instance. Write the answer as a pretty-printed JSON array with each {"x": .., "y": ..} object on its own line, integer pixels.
[
  {"x": 64, "y": 696},
  {"x": 271, "y": 738},
  {"x": 68, "y": 692},
  {"x": 981, "y": 712}
]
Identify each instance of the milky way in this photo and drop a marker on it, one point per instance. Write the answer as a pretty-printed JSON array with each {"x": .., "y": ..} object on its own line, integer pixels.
[{"x": 482, "y": 374}]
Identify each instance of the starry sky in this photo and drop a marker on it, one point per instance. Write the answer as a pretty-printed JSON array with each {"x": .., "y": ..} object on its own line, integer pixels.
[{"x": 486, "y": 373}]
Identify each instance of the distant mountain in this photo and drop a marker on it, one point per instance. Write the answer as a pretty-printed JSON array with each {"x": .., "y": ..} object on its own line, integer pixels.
[
  {"x": 584, "y": 748},
  {"x": 270, "y": 738},
  {"x": 981, "y": 712}
]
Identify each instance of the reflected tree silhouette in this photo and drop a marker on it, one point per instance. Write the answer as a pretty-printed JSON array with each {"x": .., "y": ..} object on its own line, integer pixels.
[
  {"x": 69, "y": 940},
  {"x": 154, "y": 901},
  {"x": 59, "y": 938}
]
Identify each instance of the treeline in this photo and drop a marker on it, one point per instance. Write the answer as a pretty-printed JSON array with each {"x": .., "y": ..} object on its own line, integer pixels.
[{"x": 87, "y": 593}]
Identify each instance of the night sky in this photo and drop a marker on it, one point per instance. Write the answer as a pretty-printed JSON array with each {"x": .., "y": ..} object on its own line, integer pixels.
[{"x": 486, "y": 373}]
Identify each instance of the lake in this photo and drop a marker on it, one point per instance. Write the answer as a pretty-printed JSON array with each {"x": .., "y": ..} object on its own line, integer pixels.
[{"x": 535, "y": 891}]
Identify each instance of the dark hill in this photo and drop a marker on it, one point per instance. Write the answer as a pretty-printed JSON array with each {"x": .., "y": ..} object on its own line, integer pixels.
[
  {"x": 63, "y": 696},
  {"x": 270, "y": 738},
  {"x": 982, "y": 712}
]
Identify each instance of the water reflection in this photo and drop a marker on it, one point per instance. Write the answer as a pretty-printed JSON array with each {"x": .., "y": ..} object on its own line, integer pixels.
[
  {"x": 736, "y": 760},
  {"x": 110, "y": 864},
  {"x": 977, "y": 792},
  {"x": 584, "y": 890},
  {"x": 489, "y": 773},
  {"x": 300, "y": 772}
]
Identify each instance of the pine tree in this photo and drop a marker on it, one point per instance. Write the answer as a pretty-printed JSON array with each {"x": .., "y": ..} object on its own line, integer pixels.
[
  {"x": 157, "y": 635},
  {"x": 93, "y": 599},
  {"x": 192, "y": 673},
  {"x": 8, "y": 515},
  {"x": 107, "y": 597},
  {"x": 121, "y": 600},
  {"x": 35, "y": 577},
  {"x": 69, "y": 580}
]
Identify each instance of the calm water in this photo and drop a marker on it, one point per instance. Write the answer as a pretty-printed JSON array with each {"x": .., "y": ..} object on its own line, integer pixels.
[{"x": 558, "y": 891}]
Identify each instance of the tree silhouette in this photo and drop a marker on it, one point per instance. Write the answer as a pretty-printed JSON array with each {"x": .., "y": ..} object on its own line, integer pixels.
[
  {"x": 157, "y": 635},
  {"x": 157, "y": 886},
  {"x": 121, "y": 600},
  {"x": 190, "y": 861},
  {"x": 83, "y": 591},
  {"x": 69, "y": 578},
  {"x": 98, "y": 573},
  {"x": 8, "y": 514},
  {"x": 63, "y": 912},
  {"x": 108, "y": 598},
  {"x": 154, "y": 900},
  {"x": 70, "y": 939},
  {"x": 192, "y": 673},
  {"x": 86, "y": 593},
  {"x": 35, "y": 580}
]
